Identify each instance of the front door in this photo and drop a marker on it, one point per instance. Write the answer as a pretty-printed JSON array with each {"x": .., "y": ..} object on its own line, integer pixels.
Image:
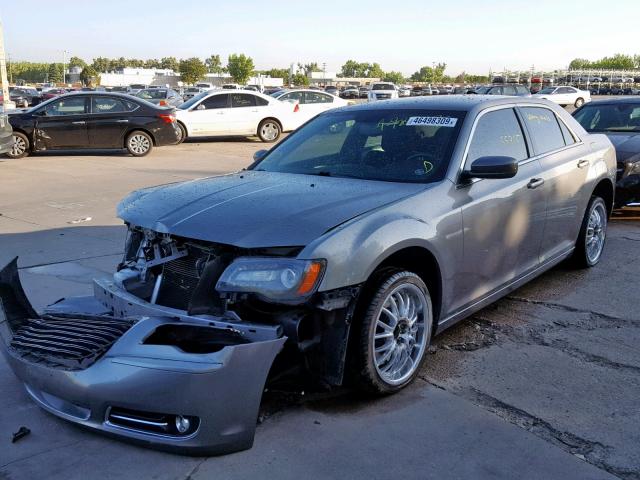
[
  {"x": 503, "y": 219},
  {"x": 62, "y": 124},
  {"x": 108, "y": 121},
  {"x": 210, "y": 116}
]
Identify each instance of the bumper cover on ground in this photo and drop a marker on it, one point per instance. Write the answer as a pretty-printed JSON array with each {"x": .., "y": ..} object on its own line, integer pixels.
[{"x": 219, "y": 390}]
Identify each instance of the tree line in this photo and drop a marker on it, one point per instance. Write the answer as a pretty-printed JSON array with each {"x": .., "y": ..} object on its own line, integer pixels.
[{"x": 618, "y": 61}]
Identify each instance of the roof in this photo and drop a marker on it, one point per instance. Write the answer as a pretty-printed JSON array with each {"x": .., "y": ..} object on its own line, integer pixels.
[
  {"x": 450, "y": 102},
  {"x": 615, "y": 100}
]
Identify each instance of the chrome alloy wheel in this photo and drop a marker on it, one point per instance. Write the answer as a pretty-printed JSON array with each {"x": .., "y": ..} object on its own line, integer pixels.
[
  {"x": 139, "y": 144},
  {"x": 596, "y": 233},
  {"x": 270, "y": 131},
  {"x": 19, "y": 146},
  {"x": 401, "y": 333}
]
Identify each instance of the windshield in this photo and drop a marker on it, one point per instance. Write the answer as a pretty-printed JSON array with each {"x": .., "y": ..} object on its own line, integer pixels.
[
  {"x": 192, "y": 101},
  {"x": 137, "y": 86},
  {"x": 618, "y": 117},
  {"x": 154, "y": 94},
  {"x": 383, "y": 86},
  {"x": 547, "y": 90},
  {"x": 482, "y": 90},
  {"x": 278, "y": 93},
  {"x": 411, "y": 146}
]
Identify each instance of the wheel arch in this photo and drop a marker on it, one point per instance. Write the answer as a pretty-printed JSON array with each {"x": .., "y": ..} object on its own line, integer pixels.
[
  {"x": 138, "y": 129},
  {"x": 605, "y": 190},
  {"x": 419, "y": 260}
]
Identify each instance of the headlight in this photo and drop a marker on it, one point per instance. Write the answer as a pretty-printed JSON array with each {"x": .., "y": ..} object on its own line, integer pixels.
[
  {"x": 282, "y": 279},
  {"x": 634, "y": 168}
]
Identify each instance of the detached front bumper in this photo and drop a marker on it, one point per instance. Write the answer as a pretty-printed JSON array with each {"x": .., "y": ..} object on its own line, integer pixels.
[
  {"x": 628, "y": 190},
  {"x": 160, "y": 374}
]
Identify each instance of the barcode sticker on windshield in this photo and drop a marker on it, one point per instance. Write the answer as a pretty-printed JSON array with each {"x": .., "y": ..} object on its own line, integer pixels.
[{"x": 433, "y": 121}]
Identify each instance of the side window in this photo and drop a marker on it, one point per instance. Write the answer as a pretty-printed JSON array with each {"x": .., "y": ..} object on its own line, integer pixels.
[
  {"x": 564, "y": 90},
  {"x": 508, "y": 90},
  {"x": 108, "y": 105},
  {"x": 497, "y": 133},
  {"x": 495, "y": 91},
  {"x": 314, "y": 97},
  {"x": 239, "y": 100},
  {"x": 66, "y": 106},
  {"x": 544, "y": 129},
  {"x": 216, "y": 101},
  {"x": 293, "y": 96},
  {"x": 261, "y": 102},
  {"x": 566, "y": 133}
]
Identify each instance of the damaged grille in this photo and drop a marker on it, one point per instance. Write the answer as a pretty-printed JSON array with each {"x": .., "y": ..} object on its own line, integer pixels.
[
  {"x": 180, "y": 278},
  {"x": 68, "y": 342}
]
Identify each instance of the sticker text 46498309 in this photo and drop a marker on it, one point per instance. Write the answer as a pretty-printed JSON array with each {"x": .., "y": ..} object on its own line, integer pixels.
[{"x": 432, "y": 121}]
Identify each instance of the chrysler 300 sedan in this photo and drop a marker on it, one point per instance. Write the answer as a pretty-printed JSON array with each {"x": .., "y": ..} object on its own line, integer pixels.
[{"x": 345, "y": 248}]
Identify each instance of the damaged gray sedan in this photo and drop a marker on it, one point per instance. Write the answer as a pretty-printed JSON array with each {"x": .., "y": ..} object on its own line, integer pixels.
[{"x": 344, "y": 249}]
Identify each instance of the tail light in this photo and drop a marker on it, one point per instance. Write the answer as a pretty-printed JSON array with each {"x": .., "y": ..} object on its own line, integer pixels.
[
  {"x": 163, "y": 103},
  {"x": 167, "y": 117},
  {"x": 296, "y": 108}
]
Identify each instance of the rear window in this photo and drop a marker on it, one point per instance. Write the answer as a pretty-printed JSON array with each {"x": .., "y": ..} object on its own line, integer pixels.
[
  {"x": 382, "y": 86},
  {"x": 544, "y": 129}
]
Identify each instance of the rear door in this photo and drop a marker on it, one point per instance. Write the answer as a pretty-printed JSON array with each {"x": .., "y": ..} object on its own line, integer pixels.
[
  {"x": 211, "y": 116},
  {"x": 62, "y": 123},
  {"x": 246, "y": 113},
  {"x": 109, "y": 120},
  {"x": 564, "y": 171}
]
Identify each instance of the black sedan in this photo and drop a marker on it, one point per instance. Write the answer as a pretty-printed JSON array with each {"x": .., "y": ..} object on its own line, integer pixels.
[
  {"x": 619, "y": 119},
  {"x": 93, "y": 120}
]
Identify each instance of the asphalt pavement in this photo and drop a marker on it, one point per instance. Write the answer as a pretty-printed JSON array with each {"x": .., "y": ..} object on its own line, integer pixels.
[{"x": 542, "y": 384}]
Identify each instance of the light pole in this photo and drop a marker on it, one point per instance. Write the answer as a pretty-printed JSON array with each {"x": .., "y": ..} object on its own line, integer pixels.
[{"x": 64, "y": 70}]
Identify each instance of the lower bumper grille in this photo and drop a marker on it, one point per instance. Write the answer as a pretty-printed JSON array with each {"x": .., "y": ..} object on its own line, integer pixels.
[
  {"x": 150, "y": 422},
  {"x": 68, "y": 342}
]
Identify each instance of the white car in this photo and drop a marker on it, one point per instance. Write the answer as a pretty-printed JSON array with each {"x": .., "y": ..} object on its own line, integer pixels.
[
  {"x": 310, "y": 102},
  {"x": 235, "y": 112},
  {"x": 564, "y": 95},
  {"x": 382, "y": 91}
]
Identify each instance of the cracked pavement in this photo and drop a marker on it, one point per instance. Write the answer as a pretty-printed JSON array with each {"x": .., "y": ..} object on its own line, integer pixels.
[{"x": 542, "y": 384}]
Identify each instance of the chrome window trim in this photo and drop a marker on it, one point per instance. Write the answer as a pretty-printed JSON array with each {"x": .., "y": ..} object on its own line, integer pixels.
[{"x": 494, "y": 108}]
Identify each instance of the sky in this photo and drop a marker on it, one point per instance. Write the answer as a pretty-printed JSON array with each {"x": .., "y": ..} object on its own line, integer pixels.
[{"x": 471, "y": 35}]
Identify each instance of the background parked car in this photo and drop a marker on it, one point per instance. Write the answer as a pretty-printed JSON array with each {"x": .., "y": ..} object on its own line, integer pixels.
[
  {"x": 618, "y": 119},
  {"x": 164, "y": 97},
  {"x": 310, "y": 102},
  {"x": 121, "y": 89},
  {"x": 236, "y": 112},
  {"x": 52, "y": 93},
  {"x": 332, "y": 89},
  {"x": 6, "y": 134},
  {"x": 509, "y": 90},
  {"x": 363, "y": 92},
  {"x": 16, "y": 97},
  {"x": 136, "y": 87},
  {"x": 33, "y": 96},
  {"x": 404, "y": 92},
  {"x": 93, "y": 120},
  {"x": 350, "y": 91},
  {"x": 382, "y": 91},
  {"x": 191, "y": 92},
  {"x": 565, "y": 95}
]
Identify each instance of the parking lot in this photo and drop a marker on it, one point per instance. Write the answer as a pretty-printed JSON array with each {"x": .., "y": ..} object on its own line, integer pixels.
[{"x": 542, "y": 384}]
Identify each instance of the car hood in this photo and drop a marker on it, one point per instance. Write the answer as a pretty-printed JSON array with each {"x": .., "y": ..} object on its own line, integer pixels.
[
  {"x": 625, "y": 143},
  {"x": 258, "y": 209}
]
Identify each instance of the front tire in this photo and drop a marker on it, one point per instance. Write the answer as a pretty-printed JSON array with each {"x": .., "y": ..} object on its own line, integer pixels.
[
  {"x": 579, "y": 102},
  {"x": 394, "y": 333},
  {"x": 139, "y": 143},
  {"x": 21, "y": 146},
  {"x": 269, "y": 130},
  {"x": 593, "y": 234}
]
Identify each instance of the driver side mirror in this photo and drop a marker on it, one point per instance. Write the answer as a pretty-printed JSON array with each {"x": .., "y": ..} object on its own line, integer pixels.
[
  {"x": 259, "y": 155},
  {"x": 201, "y": 107},
  {"x": 492, "y": 167}
]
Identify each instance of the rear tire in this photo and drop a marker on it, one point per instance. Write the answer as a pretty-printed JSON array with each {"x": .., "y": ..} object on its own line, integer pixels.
[
  {"x": 593, "y": 234},
  {"x": 394, "y": 333},
  {"x": 21, "y": 146},
  {"x": 183, "y": 133},
  {"x": 139, "y": 143},
  {"x": 269, "y": 130},
  {"x": 579, "y": 102}
]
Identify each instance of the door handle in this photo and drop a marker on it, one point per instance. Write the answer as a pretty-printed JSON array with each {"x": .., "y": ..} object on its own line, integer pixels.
[
  {"x": 583, "y": 163},
  {"x": 79, "y": 123},
  {"x": 220, "y": 113},
  {"x": 255, "y": 111},
  {"x": 535, "y": 183},
  {"x": 122, "y": 121}
]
